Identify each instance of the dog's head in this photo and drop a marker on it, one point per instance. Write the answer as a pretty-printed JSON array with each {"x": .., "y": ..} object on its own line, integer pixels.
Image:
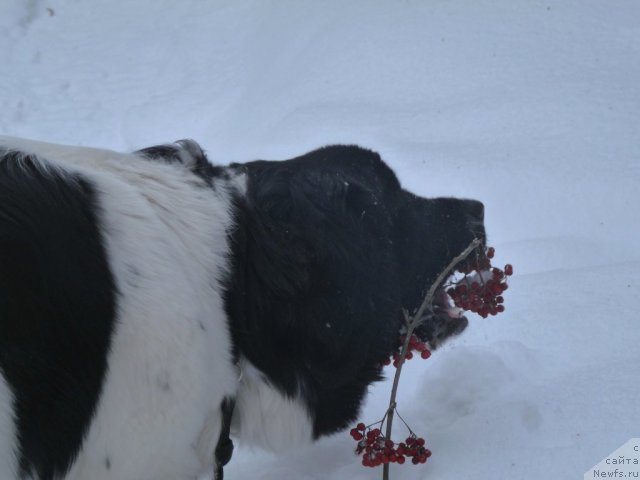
[{"x": 327, "y": 253}]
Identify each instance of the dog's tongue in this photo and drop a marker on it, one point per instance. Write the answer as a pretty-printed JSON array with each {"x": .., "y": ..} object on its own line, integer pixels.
[{"x": 443, "y": 303}]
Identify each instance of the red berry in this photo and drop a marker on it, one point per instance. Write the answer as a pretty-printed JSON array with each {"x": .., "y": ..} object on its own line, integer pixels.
[
  {"x": 508, "y": 269},
  {"x": 491, "y": 252},
  {"x": 425, "y": 354},
  {"x": 361, "y": 426},
  {"x": 401, "y": 459}
]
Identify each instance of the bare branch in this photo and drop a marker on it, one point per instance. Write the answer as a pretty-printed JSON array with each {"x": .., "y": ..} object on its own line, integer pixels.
[{"x": 412, "y": 323}]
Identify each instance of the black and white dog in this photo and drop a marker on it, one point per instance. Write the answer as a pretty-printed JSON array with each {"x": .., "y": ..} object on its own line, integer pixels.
[{"x": 141, "y": 293}]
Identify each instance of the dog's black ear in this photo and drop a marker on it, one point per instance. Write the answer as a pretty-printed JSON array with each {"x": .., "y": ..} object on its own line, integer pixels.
[
  {"x": 312, "y": 219},
  {"x": 276, "y": 255}
]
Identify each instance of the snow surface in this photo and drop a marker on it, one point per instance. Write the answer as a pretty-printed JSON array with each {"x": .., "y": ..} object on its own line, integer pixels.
[{"x": 530, "y": 106}]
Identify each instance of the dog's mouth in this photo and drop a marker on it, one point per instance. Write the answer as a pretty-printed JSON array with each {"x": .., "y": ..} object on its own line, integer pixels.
[
  {"x": 443, "y": 305},
  {"x": 450, "y": 318},
  {"x": 444, "y": 320}
]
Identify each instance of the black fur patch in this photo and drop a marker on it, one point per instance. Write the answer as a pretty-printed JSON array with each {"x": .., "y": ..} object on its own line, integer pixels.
[
  {"x": 327, "y": 251},
  {"x": 57, "y": 298}
]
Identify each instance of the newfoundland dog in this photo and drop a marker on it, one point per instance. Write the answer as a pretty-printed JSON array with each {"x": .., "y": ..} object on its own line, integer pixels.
[{"x": 153, "y": 302}]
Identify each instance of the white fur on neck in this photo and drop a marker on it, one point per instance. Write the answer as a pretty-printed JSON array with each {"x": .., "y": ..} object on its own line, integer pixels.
[
  {"x": 266, "y": 418},
  {"x": 8, "y": 459}
]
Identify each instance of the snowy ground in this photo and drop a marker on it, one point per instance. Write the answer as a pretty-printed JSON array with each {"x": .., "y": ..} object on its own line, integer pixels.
[{"x": 530, "y": 106}]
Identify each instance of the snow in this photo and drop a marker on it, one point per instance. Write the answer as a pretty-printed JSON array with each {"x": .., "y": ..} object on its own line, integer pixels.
[{"x": 530, "y": 106}]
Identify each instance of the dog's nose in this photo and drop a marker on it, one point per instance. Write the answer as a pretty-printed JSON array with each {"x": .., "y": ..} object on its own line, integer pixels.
[
  {"x": 475, "y": 218},
  {"x": 476, "y": 210}
]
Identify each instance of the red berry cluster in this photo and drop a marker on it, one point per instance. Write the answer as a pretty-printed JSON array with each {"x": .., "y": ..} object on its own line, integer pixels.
[
  {"x": 377, "y": 450},
  {"x": 480, "y": 289},
  {"x": 415, "y": 345}
]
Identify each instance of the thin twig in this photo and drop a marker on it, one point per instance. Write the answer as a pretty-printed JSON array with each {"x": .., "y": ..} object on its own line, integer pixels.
[
  {"x": 405, "y": 423},
  {"x": 412, "y": 323}
]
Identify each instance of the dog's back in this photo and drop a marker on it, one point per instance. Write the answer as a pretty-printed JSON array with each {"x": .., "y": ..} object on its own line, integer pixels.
[{"x": 109, "y": 315}]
